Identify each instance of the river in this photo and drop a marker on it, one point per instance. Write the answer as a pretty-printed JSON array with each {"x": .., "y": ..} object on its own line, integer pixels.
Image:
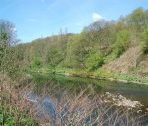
[{"x": 119, "y": 93}]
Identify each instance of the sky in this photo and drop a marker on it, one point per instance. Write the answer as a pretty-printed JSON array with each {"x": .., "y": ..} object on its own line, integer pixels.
[{"x": 40, "y": 18}]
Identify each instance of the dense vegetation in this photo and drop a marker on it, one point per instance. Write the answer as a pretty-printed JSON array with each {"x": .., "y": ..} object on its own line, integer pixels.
[
  {"x": 10, "y": 115},
  {"x": 98, "y": 44}
]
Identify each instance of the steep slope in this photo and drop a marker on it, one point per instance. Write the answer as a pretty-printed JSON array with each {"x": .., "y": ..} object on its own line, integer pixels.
[
  {"x": 142, "y": 68},
  {"x": 126, "y": 62}
]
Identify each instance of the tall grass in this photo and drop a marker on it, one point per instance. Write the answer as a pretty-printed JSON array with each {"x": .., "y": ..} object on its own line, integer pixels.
[
  {"x": 86, "y": 110},
  {"x": 82, "y": 109},
  {"x": 14, "y": 110}
]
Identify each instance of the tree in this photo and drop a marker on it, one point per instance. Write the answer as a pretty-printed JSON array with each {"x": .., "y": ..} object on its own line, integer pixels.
[
  {"x": 70, "y": 59},
  {"x": 53, "y": 58},
  {"x": 145, "y": 41},
  {"x": 137, "y": 19},
  {"x": 94, "y": 60},
  {"x": 7, "y": 47},
  {"x": 7, "y": 33},
  {"x": 121, "y": 43},
  {"x": 100, "y": 35}
]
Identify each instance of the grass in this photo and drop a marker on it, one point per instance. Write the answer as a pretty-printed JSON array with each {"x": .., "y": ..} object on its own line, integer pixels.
[
  {"x": 11, "y": 116},
  {"x": 82, "y": 109},
  {"x": 88, "y": 110},
  {"x": 14, "y": 110},
  {"x": 98, "y": 74}
]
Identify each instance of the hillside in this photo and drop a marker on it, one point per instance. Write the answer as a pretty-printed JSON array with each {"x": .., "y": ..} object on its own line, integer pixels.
[
  {"x": 92, "y": 72},
  {"x": 143, "y": 66},
  {"x": 126, "y": 62},
  {"x": 117, "y": 46}
]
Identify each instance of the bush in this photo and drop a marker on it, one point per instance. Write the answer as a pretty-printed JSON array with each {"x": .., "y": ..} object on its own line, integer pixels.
[
  {"x": 121, "y": 43},
  {"x": 94, "y": 60},
  {"x": 144, "y": 43},
  {"x": 36, "y": 62}
]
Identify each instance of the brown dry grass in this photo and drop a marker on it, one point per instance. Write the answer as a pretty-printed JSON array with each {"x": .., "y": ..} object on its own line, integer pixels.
[{"x": 71, "y": 110}]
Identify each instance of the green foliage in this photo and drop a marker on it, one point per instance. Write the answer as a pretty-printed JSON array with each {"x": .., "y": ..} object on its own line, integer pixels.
[
  {"x": 36, "y": 62},
  {"x": 71, "y": 57},
  {"x": 121, "y": 43},
  {"x": 98, "y": 43},
  {"x": 9, "y": 118},
  {"x": 94, "y": 60},
  {"x": 54, "y": 57},
  {"x": 81, "y": 54},
  {"x": 137, "y": 19},
  {"x": 145, "y": 41},
  {"x": 8, "y": 60},
  {"x": 39, "y": 78}
]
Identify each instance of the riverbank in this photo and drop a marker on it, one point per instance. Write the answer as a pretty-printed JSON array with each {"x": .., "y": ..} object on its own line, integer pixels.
[
  {"x": 21, "y": 103},
  {"x": 98, "y": 74},
  {"x": 14, "y": 110}
]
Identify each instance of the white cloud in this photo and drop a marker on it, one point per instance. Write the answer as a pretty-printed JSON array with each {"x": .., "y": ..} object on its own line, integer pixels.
[{"x": 96, "y": 17}]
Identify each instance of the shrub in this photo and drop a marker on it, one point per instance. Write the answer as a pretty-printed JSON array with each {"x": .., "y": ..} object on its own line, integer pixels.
[
  {"x": 10, "y": 118},
  {"x": 121, "y": 43},
  {"x": 36, "y": 62},
  {"x": 144, "y": 43},
  {"x": 94, "y": 60}
]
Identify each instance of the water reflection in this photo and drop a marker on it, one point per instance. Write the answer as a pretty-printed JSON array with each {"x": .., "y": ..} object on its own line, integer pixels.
[{"x": 57, "y": 85}]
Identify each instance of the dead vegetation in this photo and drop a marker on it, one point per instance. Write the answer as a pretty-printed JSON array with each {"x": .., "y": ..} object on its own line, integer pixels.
[
  {"x": 126, "y": 62},
  {"x": 81, "y": 109}
]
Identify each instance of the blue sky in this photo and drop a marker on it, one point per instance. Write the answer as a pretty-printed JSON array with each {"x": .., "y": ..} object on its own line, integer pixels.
[{"x": 41, "y": 18}]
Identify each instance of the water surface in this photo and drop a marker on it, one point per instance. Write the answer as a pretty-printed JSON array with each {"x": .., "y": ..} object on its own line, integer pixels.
[{"x": 58, "y": 84}]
